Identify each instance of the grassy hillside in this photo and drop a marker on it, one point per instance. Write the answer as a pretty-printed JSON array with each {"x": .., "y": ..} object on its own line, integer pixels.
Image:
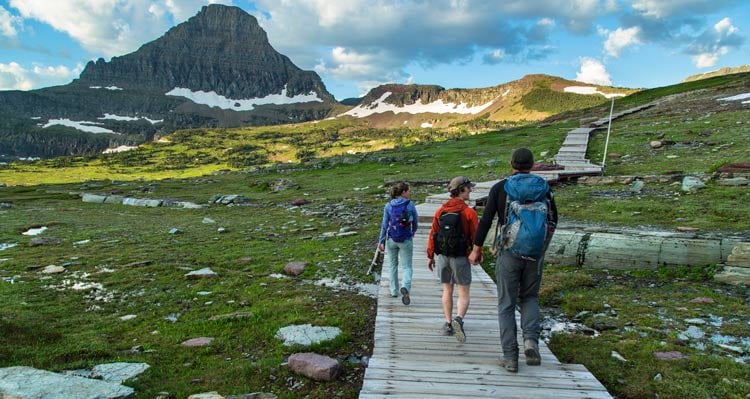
[{"x": 341, "y": 169}]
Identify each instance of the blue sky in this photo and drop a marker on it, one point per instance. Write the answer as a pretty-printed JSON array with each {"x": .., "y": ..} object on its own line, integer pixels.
[{"x": 355, "y": 45}]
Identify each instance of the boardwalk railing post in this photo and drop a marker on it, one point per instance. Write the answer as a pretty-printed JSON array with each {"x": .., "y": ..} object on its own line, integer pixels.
[{"x": 606, "y": 142}]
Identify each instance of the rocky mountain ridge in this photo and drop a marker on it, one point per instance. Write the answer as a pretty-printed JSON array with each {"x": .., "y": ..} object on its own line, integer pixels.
[{"x": 217, "y": 69}]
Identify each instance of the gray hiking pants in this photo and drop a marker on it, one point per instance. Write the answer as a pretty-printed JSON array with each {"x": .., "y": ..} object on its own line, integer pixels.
[{"x": 517, "y": 279}]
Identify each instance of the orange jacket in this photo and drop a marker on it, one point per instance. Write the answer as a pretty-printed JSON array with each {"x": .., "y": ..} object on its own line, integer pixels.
[{"x": 469, "y": 222}]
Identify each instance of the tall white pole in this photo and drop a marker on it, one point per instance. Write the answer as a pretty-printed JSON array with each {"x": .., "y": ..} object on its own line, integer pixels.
[{"x": 609, "y": 128}]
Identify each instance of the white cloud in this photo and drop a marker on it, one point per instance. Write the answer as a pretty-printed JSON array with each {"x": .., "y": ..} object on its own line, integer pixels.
[
  {"x": 715, "y": 43},
  {"x": 660, "y": 9},
  {"x": 13, "y": 76},
  {"x": 110, "y": 27},
  {"x": 620, "y": 39},
  {"x": 399, "y": 33},
  {"x": 593, "y": 72},
  {"x": 8, "y": 22},
  {"x": 344, "y": 63}
]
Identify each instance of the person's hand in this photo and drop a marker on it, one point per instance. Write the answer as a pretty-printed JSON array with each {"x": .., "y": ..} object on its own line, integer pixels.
[
  {"x": 431, "y": 264},
  {"x": 381, "y": 247},
  {"x": 475, "y": 257}
]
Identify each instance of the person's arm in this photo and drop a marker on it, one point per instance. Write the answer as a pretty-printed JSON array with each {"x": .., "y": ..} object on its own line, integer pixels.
[
  {"x": 414, "y": 217},
  {"x": 472, "y": 221},
  {"x": 430, "y": 242},
  {"x": 495, "y": 205},
  {"x": 384, "y": 225}
]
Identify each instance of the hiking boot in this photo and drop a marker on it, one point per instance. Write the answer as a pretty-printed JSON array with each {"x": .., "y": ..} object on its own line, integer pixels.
[
  {"x": 458, "y": 327},
  {"x": 447, "y": 329},
  {"x": 510, "y": 365},
  {"x": 532, "y": 352},
  {"x": 405, "y": 296}
]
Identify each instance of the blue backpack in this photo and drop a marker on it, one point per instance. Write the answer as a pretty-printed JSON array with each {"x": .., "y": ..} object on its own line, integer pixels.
[
  {"x": 526, "y": 216},
  {"x": 399, "y": 226}
]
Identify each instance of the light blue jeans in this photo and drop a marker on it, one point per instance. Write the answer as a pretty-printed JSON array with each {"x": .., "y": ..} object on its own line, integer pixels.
[{"x": 399, "y": 253}]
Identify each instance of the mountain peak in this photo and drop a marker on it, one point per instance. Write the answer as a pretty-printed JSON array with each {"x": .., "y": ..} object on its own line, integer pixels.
[{"x": 222, "y": 49}]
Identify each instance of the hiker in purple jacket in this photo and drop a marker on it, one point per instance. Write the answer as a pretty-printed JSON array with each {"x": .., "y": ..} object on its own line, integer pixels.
[{"x": 518, "y": 276}]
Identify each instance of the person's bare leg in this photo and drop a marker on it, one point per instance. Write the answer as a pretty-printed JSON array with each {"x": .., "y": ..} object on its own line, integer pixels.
[
  {"x": 448, "y": 301},
  {"x": 463, "y": 300}
]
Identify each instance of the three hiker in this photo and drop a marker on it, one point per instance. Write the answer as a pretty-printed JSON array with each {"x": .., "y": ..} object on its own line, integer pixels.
[
  {"x": 396, "y": 232},
  {"x": 451, "y": 237},
  {"x": 520, "y": 257}
]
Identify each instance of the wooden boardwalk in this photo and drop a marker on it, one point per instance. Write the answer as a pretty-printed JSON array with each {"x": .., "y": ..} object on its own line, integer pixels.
[{"x": 411, "y": 359}]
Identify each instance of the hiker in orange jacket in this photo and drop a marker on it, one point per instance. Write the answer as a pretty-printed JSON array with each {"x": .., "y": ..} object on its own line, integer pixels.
[{"x": 449, "y": 252}]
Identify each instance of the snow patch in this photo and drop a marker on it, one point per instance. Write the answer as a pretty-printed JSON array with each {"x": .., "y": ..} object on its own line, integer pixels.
[
  {"x": 379, "y": 106},
  {"x": 216, "y": 100},
  {"x": 425, "y": 125},
  {"x": 106, "y": 88},
  {"x": 3, "y": 247},
  {"x": 736, "y": 98},
  {"x": 34, "y": 232},
  {"x": 121, "y": 148},
  {"x": 80, "y": 125},
  {"x": 130, "y": 118},
  {"x": 590, "y": 90}
]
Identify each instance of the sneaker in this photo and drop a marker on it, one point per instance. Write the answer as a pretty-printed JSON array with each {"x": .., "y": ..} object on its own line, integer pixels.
[
  {"x": 510, "y": 365},
  {"x": 405, "y": 296},
  {"x": 458, "y": 327},
  {"x": 447, "y": 329},
  {"x": 532, "y": 352}
]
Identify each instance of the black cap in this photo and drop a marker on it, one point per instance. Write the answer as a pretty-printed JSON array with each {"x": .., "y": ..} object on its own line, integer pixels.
[{"x": 522, "y": 159}]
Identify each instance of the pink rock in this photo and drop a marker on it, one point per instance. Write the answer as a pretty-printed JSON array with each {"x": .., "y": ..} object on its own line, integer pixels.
[
  {"x": 314, "y": 366},
  {"x": 299, "y": 202},
  {"x": 702, "y": 300},
  {"x": 200, "y": 341},
  {"x": 674, "y": 355},
  {"x": 295, "y": 268}
]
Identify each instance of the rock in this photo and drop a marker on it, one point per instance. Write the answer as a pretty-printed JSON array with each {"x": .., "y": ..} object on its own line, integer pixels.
[
  {"x": 299, "y": 202},
  {"x": 315, "y": 366},
  {"x": 197, "y": 342},
  {"x": 53, "y": 269},
  {"x": 618, "y": 356},
  {"x": 36, "y": 241},
  {"x": 656, "y": 144},
  {"x": 692, "y": 183},
  {"x": 175, "y": 230},
  {"x": 736, "y": 167},
  {"x": 636, "y": 187},
  {"x": 120, "y": 371},
  {"x": 206, "y": 395},
  {"x": 151, "y": 203},
  {"x": 27, "y": 382},
  {"x": 692, "y": 332},
  {"x": 736, "y": 181},
  {"x": 673, "y": 355},
  {"x": 702, "y": 300},
  {"x": 206, "y": 272},
  {"x": 254, "y": 395},
  {"x": 295, "y": 268},
  {"x": 208, "y": 220},
  {"x": 235, "y": 315},
  {"x": 93, "y": 198},
  {"x": 306, "y": 334}
]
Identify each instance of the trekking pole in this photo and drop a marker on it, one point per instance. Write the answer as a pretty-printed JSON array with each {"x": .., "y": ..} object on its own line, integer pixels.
[{"x": 374, "y": 259}]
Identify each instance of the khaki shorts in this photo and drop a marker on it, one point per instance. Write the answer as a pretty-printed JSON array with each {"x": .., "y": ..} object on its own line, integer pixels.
[{"x": 453, "y": 270}]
